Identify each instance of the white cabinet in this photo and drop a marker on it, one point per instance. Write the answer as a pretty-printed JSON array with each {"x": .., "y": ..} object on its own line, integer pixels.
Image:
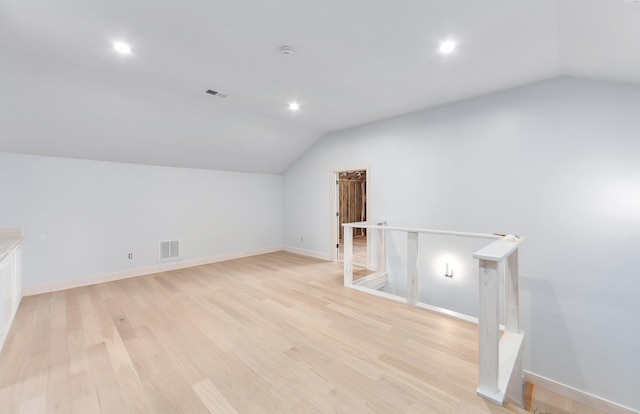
[
  {"x": 10, "y": 288},
  {"x": 5, "y": 303},
  {"x": 17, "y": 276}
]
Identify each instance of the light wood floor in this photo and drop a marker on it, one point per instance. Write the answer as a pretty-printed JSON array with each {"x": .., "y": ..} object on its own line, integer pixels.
[
  {"x": 541, "y": 401},
  {"x": 267, "y": 334}
]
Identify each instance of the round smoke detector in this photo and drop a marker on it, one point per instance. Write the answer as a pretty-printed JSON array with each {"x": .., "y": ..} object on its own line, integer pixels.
[{"x": 287, "y": 50}]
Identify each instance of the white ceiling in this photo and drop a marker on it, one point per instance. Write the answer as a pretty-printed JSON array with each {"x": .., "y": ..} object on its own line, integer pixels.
[{"x": 65, "y": 92}]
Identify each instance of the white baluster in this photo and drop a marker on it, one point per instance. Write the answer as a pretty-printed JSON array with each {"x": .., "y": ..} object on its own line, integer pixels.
[
  {"x": 382, "y": 250},
  {"x": 348, "y": 256},
  {"x": 512, "y": 306},
  {"x": 412, "y": 268}
]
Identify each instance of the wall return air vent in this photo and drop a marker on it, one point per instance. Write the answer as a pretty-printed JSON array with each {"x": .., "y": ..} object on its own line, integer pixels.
[
  {"x": 216, "y": 93},
  {"x": 169, "y": 250}
]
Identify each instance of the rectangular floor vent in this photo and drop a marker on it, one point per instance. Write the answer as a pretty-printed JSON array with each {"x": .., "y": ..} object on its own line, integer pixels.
[{"x": 169, "y": 250}]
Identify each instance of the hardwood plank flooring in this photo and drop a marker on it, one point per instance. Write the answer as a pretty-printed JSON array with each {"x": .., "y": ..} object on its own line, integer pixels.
[
  {"x": 276, "y": 333},
  {"x": 539, "y": 400}
]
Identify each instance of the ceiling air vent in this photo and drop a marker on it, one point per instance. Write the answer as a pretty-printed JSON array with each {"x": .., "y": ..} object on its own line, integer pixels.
[
  {"x": 216, "y": 93},
  {"x": 169, "y": 250}
]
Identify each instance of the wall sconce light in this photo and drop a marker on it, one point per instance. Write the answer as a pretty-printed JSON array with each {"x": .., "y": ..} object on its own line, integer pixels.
[{"x": 448, "y": 272}]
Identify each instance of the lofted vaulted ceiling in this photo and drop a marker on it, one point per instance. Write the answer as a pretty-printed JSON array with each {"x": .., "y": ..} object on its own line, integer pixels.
[{"x": 65, "y": 92}]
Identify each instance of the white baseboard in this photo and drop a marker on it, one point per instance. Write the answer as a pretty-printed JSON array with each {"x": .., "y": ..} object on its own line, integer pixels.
[
  {"x": 453, "y": 314},
  {"x": 577, "y": 395},
  {"x": 309, "y": 253},
  {"x": 125, "y": 274}
]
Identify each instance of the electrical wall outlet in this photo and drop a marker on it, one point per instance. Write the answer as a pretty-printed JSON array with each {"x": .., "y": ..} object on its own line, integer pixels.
[{"x": 130, "y": 256}]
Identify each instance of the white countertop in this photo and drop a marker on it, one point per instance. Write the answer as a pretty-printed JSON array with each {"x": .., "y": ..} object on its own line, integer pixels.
[{"x": 9, "y": 238}]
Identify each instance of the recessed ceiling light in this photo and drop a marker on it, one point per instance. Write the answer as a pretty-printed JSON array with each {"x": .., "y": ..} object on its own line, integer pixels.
[
  {"x": 122, "y": 47},
  {"x": 447, "y": 47},
  {"x": 294, "y": 106}
]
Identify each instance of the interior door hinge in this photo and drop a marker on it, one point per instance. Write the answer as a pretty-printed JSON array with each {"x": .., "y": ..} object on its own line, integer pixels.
[
  {"x": 337, "y": 246},
  {"x": 337, "y": 214}
]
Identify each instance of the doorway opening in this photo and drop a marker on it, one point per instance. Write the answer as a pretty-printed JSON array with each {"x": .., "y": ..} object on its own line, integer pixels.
[{"x": 351, "y": 206}]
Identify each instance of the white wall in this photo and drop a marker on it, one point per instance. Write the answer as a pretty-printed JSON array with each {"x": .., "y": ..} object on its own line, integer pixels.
[
  {"x": 82, "y": 218},
  {"x": 558, "y": 162}
]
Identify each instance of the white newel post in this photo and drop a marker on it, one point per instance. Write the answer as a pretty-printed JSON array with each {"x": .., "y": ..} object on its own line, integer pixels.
[
  {"x": 489, "y": 329},
  {"x": 500, "y": 355},
  {"x": 348, "y": 256},
  {"x": 412, "y": 268}
]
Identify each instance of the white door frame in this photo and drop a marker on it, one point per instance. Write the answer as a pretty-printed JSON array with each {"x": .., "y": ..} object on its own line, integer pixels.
[{"x": 335, "y": 205}]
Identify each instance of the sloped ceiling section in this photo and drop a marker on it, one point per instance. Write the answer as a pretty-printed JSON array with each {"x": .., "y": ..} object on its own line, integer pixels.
[
  {"x": 52, "y": 108},
  {"x": 600, "y": 39},
  {"x": 66, "y": 92}
]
